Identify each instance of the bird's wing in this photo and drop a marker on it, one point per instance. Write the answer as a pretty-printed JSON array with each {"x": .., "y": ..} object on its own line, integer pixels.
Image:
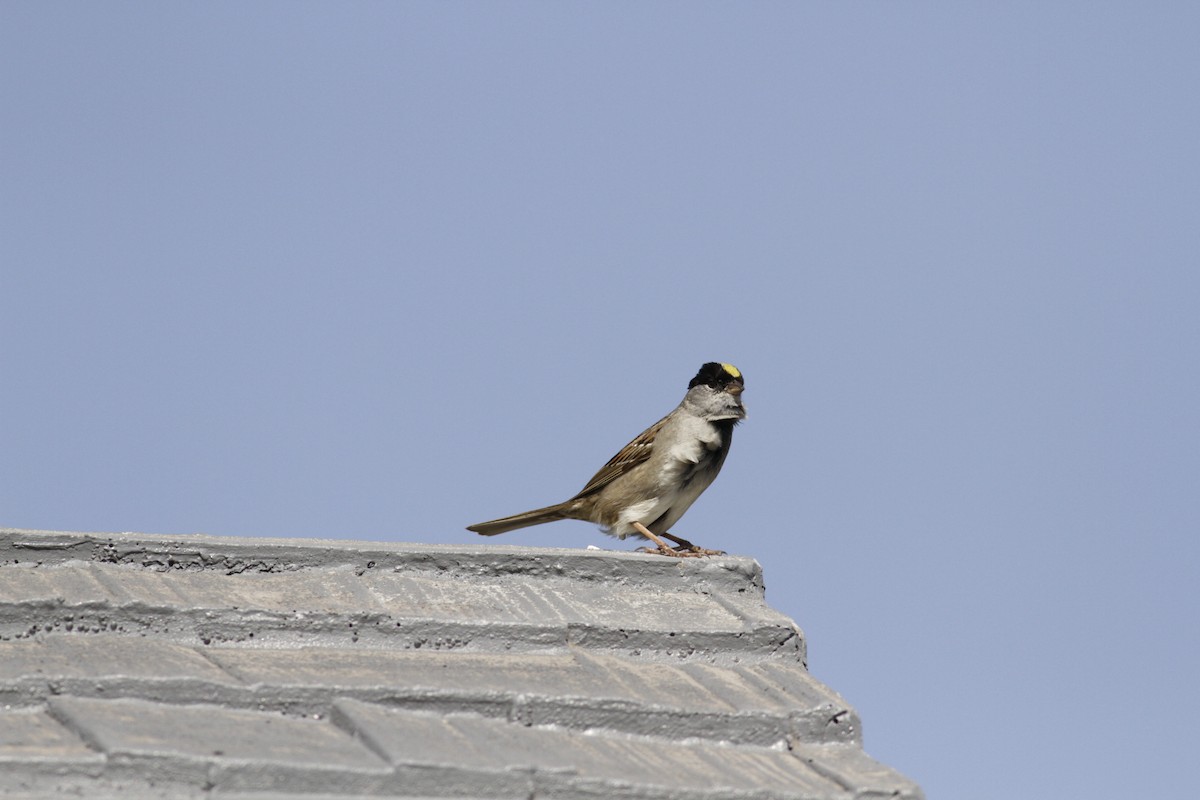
[{"x": 630, "y": 456}]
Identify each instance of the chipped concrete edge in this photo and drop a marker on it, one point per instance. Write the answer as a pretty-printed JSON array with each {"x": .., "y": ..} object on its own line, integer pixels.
[{"x": 719, "y": 574}]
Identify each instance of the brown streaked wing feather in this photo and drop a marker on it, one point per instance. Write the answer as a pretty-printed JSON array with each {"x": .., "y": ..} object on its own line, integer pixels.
[{"x": 630, "y": 456}]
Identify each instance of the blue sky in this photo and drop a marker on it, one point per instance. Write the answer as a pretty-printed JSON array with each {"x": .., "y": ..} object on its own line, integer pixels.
[{"x": 381, "y": 270}]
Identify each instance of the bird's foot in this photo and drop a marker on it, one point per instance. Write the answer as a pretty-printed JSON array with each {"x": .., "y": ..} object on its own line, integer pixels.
[
  {"x": 696, "y": 550},
  {"x": 677, "y": 552},
  {"x": 684, "y": 546},
  {"x": 685, "y": 549}
]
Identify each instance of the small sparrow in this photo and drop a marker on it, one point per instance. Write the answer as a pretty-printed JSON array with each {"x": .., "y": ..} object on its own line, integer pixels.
[{"x": 644, "y": 489}]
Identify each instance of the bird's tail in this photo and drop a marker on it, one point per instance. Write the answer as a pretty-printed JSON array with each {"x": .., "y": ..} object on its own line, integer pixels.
[{"x": 535, "y": 517}]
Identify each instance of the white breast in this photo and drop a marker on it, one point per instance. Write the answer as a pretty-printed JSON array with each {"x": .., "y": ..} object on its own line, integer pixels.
[{"x": 693, "y": 437}]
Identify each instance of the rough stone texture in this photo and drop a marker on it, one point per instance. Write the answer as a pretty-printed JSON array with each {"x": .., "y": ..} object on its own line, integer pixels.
[{"x": 194, "y": 666}]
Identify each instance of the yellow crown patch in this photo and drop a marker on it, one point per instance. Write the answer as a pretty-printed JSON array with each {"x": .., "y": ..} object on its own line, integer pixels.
[{"x": 732, "y": 370}]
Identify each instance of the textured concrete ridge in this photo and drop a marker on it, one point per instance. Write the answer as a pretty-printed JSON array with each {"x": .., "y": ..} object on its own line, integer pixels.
[
  {"x": 234, "y": 555},
  {"x": 194, "y": 666},
  {"x": 280, "y": 592}
]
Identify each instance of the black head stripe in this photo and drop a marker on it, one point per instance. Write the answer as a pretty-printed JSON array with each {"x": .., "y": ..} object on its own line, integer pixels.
[{"x": 715, "y": 375}]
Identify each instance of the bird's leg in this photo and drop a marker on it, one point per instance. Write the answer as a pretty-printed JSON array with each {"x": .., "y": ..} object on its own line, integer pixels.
[
  {"x": 684, "y": 543},
  {"x": 663, "y": 548},
  {"x": 688, "y": 547},
  {"x": 686, "y": 550}
]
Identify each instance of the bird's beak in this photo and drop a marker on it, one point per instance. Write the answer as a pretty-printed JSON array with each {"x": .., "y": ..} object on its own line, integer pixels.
[{"x": 735, "y": 389}]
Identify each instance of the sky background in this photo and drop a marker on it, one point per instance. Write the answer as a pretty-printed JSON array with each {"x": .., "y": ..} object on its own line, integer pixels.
[{"x": 381, "y": 270}]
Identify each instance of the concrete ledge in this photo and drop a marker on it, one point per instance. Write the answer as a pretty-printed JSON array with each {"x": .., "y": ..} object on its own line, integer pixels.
[
  {"x": 369, "y": 750},
  {"x": 731, "y": 574},
  {"x": 406, "y": 596},
  {"x": 138, "y": 666},
  {"x": 763, "y": 704}
]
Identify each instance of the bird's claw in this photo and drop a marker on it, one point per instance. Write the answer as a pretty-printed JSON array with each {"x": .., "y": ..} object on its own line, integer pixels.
[
  {"x": 691, "y": 551},
  {"x": 685, "y": 548},
  {"x": 704, "y": 551}
]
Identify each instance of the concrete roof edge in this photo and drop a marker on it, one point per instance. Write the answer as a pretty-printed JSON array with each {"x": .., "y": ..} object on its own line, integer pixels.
[{"x": 723, "y": 574}]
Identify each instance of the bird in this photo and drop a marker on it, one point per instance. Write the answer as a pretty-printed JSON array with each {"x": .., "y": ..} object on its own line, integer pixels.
[{"x": 646, "y": 487}]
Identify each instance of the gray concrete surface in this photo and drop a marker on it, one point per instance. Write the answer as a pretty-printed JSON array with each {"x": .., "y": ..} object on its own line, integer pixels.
[{"x": 191, "y": 666}]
